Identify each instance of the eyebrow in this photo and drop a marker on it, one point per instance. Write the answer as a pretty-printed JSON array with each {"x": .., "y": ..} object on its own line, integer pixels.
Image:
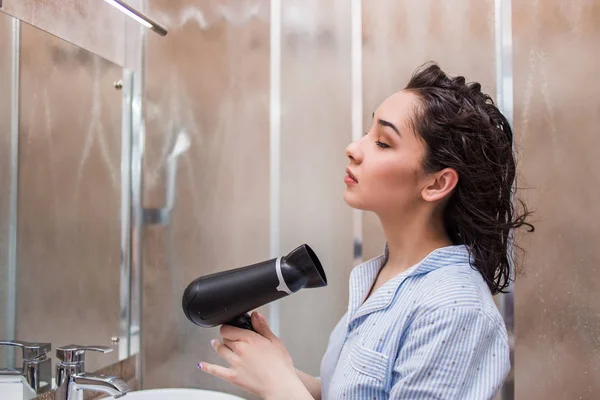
[{"x": 388, "y": 124}]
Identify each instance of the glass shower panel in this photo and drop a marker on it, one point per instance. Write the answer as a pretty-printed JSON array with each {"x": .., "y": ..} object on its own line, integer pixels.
[
  {"x": 6, "y": 174},
  {"x": 69, "y": 195},
  {"x": 208, "y": 79},
  {"x": 316, "y": 127},
  {"x": 557, "y": 114}
]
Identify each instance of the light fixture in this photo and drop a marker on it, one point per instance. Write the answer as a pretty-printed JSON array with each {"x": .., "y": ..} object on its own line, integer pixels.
[{"x": 138, "y": 16}]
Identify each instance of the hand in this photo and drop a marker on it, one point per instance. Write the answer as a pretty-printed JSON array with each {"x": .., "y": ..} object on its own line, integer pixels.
[{"x": 258, "y": 361}]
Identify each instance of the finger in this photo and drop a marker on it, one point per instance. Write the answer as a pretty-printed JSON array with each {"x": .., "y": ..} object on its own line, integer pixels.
[
  {"x": 261, "y": 326},
  {"x": 223, "y": 351},
  {"x": 216, "y": 370},
  {"x": 234, "y": 345}
]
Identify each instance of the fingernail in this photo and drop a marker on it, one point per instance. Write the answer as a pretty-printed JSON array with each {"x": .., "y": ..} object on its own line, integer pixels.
[
  {"x": 199, "y": 365},
  {"x": 212, "y": 342},
  {"x": 260, "y": 316}
]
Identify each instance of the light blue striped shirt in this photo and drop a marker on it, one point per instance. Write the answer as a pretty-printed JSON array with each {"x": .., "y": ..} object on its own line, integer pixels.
[{"x": 432, "y": 332}]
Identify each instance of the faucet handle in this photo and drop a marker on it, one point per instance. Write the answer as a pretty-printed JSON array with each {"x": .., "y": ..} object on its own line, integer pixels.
[
  {"x": 31, "y": 350},
  {"x": 74, "y": 353}
]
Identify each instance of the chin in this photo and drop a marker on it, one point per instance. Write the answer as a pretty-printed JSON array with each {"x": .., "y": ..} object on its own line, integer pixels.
[{"x": 353, "y": 201}]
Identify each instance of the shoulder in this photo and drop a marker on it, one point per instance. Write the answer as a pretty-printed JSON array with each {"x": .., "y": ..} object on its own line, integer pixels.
[{"x": 457, "y": 291}]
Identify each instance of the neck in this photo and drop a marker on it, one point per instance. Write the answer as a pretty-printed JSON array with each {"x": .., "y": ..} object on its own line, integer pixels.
[{"x": 411, "y": 238}]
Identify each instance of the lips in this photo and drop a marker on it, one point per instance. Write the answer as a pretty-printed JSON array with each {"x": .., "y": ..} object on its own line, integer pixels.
[{"x": 351, "y": 175}]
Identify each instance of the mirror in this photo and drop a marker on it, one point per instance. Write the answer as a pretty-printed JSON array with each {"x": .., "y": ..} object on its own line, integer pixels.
[{"x": 60, "y": 228}]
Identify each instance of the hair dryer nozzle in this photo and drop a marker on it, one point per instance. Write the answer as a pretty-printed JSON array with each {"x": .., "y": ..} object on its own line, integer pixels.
[
  {"x": 224, "y": 297},
  {"x": 304, "y": 259}
]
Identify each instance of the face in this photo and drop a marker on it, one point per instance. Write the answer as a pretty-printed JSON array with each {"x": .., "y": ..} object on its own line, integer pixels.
[{"x": 384, "y": 174}]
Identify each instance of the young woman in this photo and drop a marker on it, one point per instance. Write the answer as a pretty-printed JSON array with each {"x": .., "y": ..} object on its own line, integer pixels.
[{"x": 437, "y": 168}]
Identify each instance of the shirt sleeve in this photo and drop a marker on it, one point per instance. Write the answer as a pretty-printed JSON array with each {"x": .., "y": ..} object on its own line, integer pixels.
[{"x": 451, "y": 353}]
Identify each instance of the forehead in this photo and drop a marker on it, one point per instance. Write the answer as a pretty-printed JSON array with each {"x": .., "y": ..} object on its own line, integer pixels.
[{"x": 398, "y": 108}]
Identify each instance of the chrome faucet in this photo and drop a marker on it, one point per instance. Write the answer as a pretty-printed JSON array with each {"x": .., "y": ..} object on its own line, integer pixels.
[
  {"x": 72, "y": 380},
  {"x": 36, "y": 373}
]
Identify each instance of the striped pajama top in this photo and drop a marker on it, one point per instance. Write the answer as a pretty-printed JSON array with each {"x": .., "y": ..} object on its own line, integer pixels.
[{"x": 432, "y": 332}]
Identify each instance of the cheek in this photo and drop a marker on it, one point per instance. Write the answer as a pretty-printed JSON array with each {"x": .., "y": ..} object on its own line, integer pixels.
[
  {"x": 394, "y": 185},
  {"x": 394, "y": 174}
]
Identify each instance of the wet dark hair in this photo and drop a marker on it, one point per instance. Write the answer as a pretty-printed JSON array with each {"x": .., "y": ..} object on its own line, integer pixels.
[{"x": 463, "y": 129}]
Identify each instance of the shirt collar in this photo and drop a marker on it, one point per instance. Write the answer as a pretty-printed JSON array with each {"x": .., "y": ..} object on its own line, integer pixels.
[{"x": 364, "y": 275}]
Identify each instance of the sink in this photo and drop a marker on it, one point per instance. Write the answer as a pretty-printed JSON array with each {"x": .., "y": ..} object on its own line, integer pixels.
[{"x": 177, "y": 394}]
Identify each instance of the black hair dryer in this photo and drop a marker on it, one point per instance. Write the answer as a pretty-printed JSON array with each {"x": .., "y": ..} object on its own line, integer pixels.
[{"x": 226, "y": 297}]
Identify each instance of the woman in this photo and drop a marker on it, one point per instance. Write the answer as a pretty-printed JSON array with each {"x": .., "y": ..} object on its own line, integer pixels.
[{"x": 437, "y": 168}]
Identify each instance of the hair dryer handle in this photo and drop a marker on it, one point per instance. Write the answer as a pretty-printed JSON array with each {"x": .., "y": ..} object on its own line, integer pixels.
[{"x": 242, "y": 321}]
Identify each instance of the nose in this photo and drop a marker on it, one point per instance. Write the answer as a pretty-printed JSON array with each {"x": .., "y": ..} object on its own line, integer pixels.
[{"x": 354, "y": 152}]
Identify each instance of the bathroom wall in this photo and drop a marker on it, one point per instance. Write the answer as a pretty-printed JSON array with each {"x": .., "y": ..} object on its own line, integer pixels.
[
  {"x": 209, "y": 78},
  {"x": 557, "y": 114},
  {"x": 91, "y": 24}
]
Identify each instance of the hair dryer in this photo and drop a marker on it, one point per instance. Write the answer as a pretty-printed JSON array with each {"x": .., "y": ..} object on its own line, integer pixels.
[{"x": 226, "y": 297}]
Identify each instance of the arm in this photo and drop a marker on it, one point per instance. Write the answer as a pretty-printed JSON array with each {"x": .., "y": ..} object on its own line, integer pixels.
[
  {"x": 312, "y": 384},
  {"x": 452, "y": 353},
  {"x": 292, "y": 390}
]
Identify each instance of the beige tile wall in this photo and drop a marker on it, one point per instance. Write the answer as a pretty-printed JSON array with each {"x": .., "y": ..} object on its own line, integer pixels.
[{"x": 557, "y": 114}]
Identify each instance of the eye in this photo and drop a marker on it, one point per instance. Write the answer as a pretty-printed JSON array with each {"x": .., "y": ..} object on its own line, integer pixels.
[{"x": 382, "y": 145}]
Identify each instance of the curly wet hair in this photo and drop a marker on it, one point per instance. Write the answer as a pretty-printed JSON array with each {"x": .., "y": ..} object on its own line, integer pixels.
[{"x": 464, "y": 130}]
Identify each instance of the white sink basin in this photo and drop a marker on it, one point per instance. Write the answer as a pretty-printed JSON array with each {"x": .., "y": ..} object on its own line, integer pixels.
[{"x": 177, "y": 394}]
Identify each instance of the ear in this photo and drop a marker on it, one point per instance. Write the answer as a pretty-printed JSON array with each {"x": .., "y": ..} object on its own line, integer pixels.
[{"x": 440, "y": 185}]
